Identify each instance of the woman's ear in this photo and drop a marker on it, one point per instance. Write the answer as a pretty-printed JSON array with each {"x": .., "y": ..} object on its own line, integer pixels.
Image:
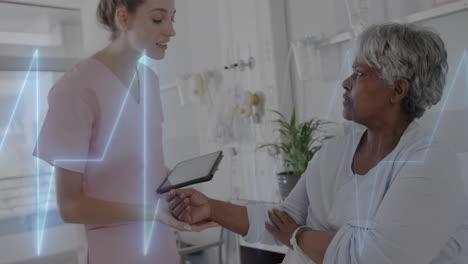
[
  {"x": 400, "y": 90},
  {"x": 122, "y": 20}
]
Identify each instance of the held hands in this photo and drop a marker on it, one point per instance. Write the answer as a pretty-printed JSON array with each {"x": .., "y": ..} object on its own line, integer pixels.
[
  {"x": 282, "y": 226},
  {"x": 194, "y": 208},
  {"x": 191, "y": 207},
  {"x": 167, "y": 217},
  {"x": 163, "y": 215}
]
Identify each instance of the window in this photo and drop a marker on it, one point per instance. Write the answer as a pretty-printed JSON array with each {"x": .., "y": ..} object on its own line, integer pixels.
[{"x": 55, "y": 34}]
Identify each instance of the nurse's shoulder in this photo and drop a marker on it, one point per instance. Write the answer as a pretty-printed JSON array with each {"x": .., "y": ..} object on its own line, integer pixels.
[{"x": 80, "y": 81}]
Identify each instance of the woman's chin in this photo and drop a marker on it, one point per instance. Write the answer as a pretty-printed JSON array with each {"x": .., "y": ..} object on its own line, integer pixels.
[
  {"x": 156, "y": 56},
  {"x": 347, "y": 115}
]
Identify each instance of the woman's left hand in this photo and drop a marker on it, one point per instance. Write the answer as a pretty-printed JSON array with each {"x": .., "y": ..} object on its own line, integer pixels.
[{"x": 282, "y": 227}]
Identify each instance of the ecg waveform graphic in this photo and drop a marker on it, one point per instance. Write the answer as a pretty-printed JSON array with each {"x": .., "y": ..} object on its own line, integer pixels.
[
  {"x": 33, "y": 72},
  {"x": 148, "y": 228},
  {"x": 460, "y": 72}
]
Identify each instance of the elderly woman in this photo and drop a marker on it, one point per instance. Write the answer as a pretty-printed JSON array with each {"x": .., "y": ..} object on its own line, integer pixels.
[{"x": 388, "y": 191}]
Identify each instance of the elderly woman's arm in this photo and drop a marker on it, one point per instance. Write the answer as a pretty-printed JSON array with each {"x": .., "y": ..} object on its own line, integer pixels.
[
  {"x": 313, "y": 244},
  {"x": 193, "y": 207},
  {"x": 422, "y": 208},
  {"x": 296, "y": 205}
]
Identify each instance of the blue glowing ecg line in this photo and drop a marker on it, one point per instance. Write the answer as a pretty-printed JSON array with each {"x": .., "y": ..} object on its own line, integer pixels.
[
  {"x": 41, "y": 218},
  {"x": 41, "y": 221},
  {"x": 38, "y": 185},
  {"x": 146, "y": 235},
  {"x": 104, "y": 154},
  {"x": 463, "y": 62},
  {"x": 15, "y": 108},
  {"x": 34, "y": 62},
  {"x": 362, "y": 234}
]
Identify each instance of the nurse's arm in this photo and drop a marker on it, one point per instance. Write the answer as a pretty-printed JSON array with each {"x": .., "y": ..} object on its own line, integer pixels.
[{"x": 77, "y": 208}]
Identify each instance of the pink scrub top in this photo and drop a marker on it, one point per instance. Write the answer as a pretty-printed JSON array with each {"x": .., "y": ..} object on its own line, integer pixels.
[{"x": 95, "y": 127}]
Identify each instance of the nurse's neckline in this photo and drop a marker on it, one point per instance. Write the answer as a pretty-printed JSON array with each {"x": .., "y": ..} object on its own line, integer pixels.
[{"x": 137, "y": 97}]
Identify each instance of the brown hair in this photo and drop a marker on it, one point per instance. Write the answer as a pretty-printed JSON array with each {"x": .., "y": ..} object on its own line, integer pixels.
[{"x": 106, "y": 13}]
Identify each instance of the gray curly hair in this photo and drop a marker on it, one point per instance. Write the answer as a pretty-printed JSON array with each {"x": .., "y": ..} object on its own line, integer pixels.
[{"x": 407, "y": 51}]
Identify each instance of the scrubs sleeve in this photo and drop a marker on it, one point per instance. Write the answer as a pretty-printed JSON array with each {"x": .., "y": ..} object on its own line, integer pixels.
[{"x": 66, "y": 133}]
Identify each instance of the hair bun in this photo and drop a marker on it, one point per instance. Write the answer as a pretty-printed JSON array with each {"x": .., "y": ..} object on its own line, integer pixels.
[{"x": 106, "y": 13}]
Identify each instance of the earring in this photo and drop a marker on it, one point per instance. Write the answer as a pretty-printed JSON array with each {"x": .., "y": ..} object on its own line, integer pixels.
[{"x": 392, "y": 100}]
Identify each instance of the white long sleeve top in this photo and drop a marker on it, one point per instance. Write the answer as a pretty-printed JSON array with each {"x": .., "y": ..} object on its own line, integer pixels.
[{"x": 410, "y": 208}]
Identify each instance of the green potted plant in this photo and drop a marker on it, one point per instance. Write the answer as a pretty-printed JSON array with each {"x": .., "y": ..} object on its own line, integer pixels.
[{"x": 298, "y": 144}]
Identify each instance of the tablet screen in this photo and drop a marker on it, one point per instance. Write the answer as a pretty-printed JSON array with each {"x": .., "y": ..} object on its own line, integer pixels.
[{"x": 191, "y": 170}]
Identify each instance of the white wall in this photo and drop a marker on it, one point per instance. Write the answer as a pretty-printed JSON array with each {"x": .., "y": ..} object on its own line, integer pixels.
[
  {"x": 196, "y": 48},
  {"x": 178, "y": 58},
  {"x": 95, "y": 37},
  {"x": 313, "y": 98},
  {"x": 316, "y": 18}
]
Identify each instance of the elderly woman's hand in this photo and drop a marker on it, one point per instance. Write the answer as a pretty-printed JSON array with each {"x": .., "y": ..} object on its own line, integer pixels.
[
  {"x": 282, "y": 227},
  {"x": 164, "y": 215}
]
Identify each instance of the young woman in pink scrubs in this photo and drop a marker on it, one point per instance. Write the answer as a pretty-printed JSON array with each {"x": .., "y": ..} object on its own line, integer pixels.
[{"x": 94, "y": 136}]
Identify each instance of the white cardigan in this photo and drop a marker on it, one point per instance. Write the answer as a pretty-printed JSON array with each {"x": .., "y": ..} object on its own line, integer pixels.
[{"x": 410, "y": 208}]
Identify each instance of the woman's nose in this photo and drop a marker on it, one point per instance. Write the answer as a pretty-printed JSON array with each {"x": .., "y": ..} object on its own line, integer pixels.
[
  {"x": 347, "y": 83},
  {"x": 170, "y": 31}
]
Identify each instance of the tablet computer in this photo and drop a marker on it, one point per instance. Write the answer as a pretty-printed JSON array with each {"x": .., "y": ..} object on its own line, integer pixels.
[{"x": 196, "y": 170}]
